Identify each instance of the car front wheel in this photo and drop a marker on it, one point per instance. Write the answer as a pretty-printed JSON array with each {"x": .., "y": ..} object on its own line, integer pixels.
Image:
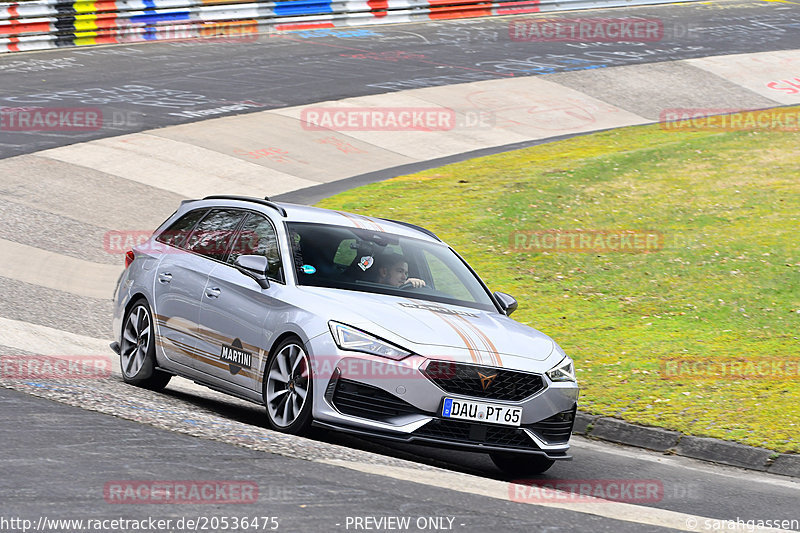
[
  {"x": 288, "y": 388},
  {"x": 137, "y": 355}
]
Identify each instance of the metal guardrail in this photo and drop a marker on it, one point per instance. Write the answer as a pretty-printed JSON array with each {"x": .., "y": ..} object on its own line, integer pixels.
[{"x": 44, "y": 24}]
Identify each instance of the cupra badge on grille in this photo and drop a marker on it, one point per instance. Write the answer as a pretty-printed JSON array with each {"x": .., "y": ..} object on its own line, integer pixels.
[{"x": 486, "y": 380}]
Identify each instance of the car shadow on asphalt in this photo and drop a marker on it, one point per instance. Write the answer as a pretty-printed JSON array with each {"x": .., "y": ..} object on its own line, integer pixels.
[{"x": 472, "y": 463}]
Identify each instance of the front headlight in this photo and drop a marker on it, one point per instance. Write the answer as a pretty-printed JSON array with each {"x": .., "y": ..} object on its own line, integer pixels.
[
  {"x": 350, "y": 338},
  {"x": 563, "y": 371}
]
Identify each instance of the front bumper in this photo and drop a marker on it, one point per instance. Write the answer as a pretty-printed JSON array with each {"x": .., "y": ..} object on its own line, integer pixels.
[
  {"x": 378, "y": 397},
  {"x": 475, "y": 444}
]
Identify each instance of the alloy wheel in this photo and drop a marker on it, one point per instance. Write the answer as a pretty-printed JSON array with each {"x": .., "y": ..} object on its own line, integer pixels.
[{"x": 287, "y": 385}]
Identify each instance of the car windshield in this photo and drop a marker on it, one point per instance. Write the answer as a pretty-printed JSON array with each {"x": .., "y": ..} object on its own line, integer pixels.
[{"x": 382, "y": 263}]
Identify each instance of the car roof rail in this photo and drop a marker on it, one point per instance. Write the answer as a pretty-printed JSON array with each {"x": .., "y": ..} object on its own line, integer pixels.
[
  {"x": 263, "y": 201},
  {"x": 414, "y": 226}
]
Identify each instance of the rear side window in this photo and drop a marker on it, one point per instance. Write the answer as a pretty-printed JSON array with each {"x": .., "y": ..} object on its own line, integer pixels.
[
  {"x": 213, "y": 235},
  {"x": 177, "y": 234}
]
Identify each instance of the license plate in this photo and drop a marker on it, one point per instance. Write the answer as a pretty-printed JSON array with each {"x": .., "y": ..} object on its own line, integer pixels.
[{"x": 489, "y": 413}]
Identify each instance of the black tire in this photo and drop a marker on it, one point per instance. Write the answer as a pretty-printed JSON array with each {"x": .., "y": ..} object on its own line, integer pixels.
[
  {"x": 521, "y": 464},
  {"x": 298, "y": 422},
  {"x": 137, "y": 350}
]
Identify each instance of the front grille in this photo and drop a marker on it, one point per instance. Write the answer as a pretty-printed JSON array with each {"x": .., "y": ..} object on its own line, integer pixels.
[
  {"x": 483, "y": 381},
  {"x": 465, "y": 432},
  {"x": 366, "y": 401},
  {"x": 557, "y": 428}
]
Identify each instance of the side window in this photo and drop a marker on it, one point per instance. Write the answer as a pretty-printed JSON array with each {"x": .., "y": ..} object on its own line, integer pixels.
[
  {"x": 213, "y": 235},
  {"x": 313, "y": 250},
  {"x": 179, "y": 231},
  {"x": 445, "y": 279},
  {"x": 257, "y": 237}
]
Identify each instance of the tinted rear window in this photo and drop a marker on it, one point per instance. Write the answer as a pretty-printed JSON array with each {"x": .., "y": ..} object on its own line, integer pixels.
[
  {"x": 214, "y": 234},
  {"x": 177, "y": 234}
]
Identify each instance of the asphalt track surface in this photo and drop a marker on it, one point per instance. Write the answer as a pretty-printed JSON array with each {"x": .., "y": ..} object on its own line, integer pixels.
[
  {"x": 145, "y": 86},
  {"x": 302, "y": 495},
  {"x": 56, "y": 458}
]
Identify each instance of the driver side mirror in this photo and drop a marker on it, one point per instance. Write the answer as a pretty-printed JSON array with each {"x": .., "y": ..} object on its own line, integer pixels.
[
  {"x": 507, "y": 302},
  {"x": 254, "y": 266}
]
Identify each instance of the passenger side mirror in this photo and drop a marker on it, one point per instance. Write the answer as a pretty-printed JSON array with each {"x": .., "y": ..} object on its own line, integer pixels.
[
  {"x": 254, "y": 266},
  {"x": 507, "y": 302}
]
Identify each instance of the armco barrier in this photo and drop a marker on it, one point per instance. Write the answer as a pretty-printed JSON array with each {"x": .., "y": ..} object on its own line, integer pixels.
[{"x": 43, "y": 24}]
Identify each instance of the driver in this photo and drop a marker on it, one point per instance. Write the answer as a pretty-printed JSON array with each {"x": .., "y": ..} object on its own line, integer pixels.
[{"x": 394, "y": 271}]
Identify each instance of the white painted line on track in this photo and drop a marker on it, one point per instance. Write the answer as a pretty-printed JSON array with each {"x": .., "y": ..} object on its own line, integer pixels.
[
  {"x": 44, "y": 340},
  {"x": 467, "y": 483},
  {"x": 55, "y": 271},
  {"x": 774, "y": 75},
  {"x": 52, "y": 342},
  {"x": 178, "y": 167},
  {"x": 684, "y": 463}
]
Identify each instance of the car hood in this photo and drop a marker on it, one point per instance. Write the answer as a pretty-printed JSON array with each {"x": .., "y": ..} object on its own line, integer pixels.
[{"x": 465, "y": 332}]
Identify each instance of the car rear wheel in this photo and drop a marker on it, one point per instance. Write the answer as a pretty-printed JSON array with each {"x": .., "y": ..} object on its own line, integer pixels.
[
  {"x": 519, "y": 464},
  {"x": 288, "y": 388},
  {"x": 137, "y": 354}
]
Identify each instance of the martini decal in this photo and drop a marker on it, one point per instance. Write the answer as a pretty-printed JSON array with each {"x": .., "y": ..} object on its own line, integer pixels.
[{"x": 236, "y": 357}]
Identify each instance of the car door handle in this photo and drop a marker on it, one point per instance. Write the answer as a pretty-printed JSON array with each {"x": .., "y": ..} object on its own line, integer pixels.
[
  {"x": 213, "y": 292},
  {"x": 165, "y": 277}
]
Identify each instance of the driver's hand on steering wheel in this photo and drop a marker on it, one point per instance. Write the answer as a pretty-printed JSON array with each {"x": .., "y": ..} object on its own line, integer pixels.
[{"x": 415, "y": 283}]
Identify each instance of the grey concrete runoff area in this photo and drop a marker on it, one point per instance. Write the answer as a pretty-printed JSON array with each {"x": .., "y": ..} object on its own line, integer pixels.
[{"x": 194, "y": 118}]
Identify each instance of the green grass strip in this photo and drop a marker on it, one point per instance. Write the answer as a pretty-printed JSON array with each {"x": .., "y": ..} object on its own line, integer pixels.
[{"x": 721, "y": 287}]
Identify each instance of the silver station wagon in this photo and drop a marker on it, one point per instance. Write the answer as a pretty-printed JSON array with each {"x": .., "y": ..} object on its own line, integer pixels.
[{"x": 341, "y": 321}]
